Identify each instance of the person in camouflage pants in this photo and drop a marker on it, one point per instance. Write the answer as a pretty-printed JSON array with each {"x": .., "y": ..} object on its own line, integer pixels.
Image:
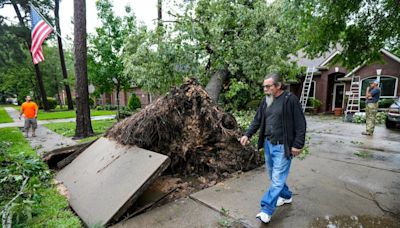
[{"x": 371, "y": 106}]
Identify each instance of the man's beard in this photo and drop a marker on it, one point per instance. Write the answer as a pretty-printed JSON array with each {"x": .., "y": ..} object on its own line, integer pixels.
[{"x": 269, "y": 99}]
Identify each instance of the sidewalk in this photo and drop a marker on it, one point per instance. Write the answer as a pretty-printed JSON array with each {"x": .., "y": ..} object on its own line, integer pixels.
[
  {"x": 332, "y": 187},
  {"x": 45, "y": 140},
  {"x": 14, "y": 114}
]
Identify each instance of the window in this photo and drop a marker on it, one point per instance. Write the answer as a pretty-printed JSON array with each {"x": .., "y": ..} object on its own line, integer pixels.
[{"x": 388, "y": 86}]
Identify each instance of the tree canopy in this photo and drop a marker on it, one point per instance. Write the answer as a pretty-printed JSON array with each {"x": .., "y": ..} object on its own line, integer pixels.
[
  {"x": 361, "y": 27},
  {"x": 247, "y": 39},
  {"x": 106, "y": 48}
]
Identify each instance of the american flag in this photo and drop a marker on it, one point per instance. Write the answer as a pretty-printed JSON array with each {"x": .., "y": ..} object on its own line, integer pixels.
[{"x": 40, "y": 31}]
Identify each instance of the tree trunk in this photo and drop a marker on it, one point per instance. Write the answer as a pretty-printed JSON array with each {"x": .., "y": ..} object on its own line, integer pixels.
[
  {"x": 83, "y": 123},
  {"x": 57, "y": 88},
  {"x": 35, "y": 90},
  {"x": 118, "y": 90},
  {"x": 214, "y": 86},
  {"x": 36, "y": 66},
  {"x": 159, "y": 11},
  {"x": 62, "y": 59}
]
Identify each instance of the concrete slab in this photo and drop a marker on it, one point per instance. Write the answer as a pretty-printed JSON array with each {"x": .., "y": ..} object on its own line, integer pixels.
[
  {"x": 322, "y": 188},
  {"x": 181, "y": 213},
  {"x": 105, "y": 179}
]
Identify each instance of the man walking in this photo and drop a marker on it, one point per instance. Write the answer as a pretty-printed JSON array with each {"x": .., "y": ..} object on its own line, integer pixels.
[
  {"x": 371, "y": 106},
  {"x": 30, "y": 111},
  {"x": 282, "y": 133}
]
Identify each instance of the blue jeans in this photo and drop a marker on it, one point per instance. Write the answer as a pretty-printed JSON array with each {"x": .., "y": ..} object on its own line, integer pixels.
[{"x": 278, "y": 166}]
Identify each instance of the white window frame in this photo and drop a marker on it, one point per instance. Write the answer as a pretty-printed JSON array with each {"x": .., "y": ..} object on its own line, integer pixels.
[{"x": 379, "y": 78}]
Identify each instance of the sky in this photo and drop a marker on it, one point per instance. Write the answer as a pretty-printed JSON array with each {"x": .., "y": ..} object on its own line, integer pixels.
[{"x": 145, "y": 12}]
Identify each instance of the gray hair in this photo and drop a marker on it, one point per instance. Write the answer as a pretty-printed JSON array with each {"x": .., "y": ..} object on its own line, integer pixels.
[{"x": 277, "y": 78}]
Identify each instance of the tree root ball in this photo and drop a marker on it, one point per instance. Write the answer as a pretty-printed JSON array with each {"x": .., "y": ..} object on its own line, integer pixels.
[{"x": 186, "y": 125}]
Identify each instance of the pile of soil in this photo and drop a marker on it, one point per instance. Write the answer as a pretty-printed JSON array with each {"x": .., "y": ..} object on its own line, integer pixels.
[{"x": 199, "y": 137}]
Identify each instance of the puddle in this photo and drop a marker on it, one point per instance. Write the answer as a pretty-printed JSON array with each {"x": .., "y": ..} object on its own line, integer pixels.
[{"x": 363, "y": 221}]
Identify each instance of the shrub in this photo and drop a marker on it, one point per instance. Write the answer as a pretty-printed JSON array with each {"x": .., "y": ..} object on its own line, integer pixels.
[
  {"x": 124, "y": 112},
  {"x": 134, "y": 102},
  {"x": 315, "y": 103},
  {"x": 253, "y": 105},
  {"x": 52, "y": 102},
  {"x": 110, "y": 107},
  {"x": 379, "y": 119},
  {"x": 99, "y": 107},
  {"x": 358, "y": 119},
  {"x": 385, "y": 103}
]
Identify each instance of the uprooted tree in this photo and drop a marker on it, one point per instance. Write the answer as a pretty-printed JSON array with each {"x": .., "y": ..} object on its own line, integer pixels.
[{"x": 187, "y": 125}]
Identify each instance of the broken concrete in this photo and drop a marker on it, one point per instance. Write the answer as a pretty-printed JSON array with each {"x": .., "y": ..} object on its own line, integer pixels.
[{"x": 106, "y": 179}]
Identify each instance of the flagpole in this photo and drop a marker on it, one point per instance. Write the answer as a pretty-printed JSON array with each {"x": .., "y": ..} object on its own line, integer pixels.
[{"x": 54, "y": 30}]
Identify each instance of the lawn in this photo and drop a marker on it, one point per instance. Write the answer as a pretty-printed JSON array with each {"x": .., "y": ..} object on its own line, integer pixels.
[
  {"x": 68, "y": 129},
  {"x": 40, "y": 205},
  {"x": 4, "y": 117},
  {"x": 70, "y": 114}
]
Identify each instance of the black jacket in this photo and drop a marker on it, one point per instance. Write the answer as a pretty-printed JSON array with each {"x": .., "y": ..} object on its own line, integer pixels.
[{"x": 294, "y": 124}]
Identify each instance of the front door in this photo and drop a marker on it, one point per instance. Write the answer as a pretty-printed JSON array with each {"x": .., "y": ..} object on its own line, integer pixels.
[{"x": 338, "y": 96}]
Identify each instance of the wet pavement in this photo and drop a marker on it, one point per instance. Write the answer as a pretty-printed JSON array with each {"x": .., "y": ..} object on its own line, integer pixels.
[{"x": 348, "y": 180}]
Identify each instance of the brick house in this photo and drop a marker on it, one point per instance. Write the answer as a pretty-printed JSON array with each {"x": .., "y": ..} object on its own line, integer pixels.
[
  {"x": 331, "y": 81},
  {"x": 111, "y": 98}
]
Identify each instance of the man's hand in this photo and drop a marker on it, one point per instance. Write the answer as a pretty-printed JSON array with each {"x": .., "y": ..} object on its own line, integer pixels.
[
  {"x": 295, "y": 151},
  {"x": 19, "y": 117},
  {"x": 244, "y": 140}
]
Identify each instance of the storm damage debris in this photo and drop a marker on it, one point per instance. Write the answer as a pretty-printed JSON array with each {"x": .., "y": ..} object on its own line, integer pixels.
[
  {"x": 194, "y": 132},
  {"x": 107, "y": 178}
]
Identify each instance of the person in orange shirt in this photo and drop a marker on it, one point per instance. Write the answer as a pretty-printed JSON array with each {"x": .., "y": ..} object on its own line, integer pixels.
[{"x": 30, "y": 111}]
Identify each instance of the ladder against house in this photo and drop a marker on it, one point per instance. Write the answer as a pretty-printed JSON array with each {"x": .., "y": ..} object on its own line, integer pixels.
[
  {"x": 306, "y": 87},
  {"x": 353, "y": 102}
]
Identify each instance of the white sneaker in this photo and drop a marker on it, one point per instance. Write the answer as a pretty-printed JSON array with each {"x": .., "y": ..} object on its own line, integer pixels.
[
  {"x": 282, "y": 201},
  {"x": 263, "y": 217}
]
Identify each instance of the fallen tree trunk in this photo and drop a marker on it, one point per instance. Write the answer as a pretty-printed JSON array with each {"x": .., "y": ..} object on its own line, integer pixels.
[{"x": 188, "y": 126}]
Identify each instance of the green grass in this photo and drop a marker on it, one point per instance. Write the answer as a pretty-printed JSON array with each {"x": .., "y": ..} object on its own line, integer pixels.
[
  {"x": 4, "y": 117},
  {"x": 40, "y": 205},
  {"x": 42, "y": 115},
  {"x": 18, "y": 142},
  {"x": 68, "y": 129}
]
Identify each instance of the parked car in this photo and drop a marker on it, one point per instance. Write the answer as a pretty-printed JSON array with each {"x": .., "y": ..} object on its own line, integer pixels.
[
  {"x": 393, "y": 117},
  {"x": 12, "y": 100}
]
